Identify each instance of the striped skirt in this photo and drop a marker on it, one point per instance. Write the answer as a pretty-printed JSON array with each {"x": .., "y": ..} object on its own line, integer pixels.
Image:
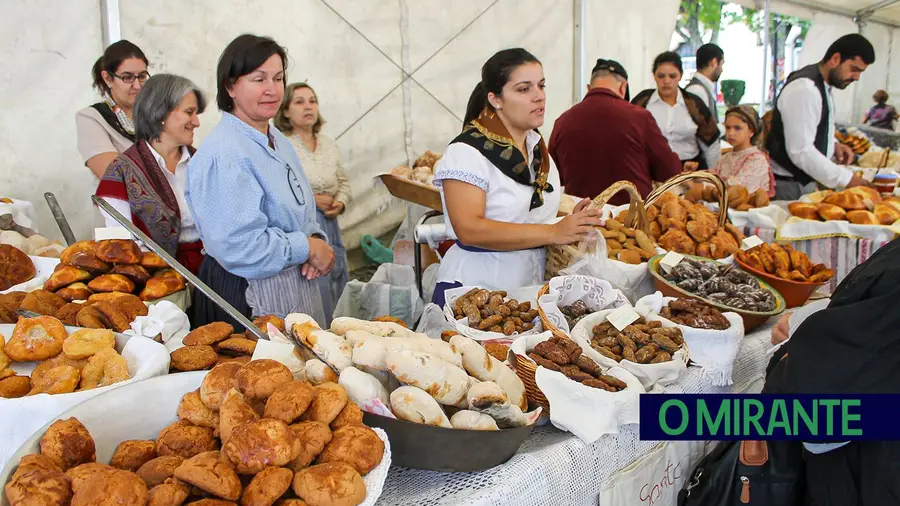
[
  {"x": 230, "y": 287},
  {"x": 331, "y": 286}
]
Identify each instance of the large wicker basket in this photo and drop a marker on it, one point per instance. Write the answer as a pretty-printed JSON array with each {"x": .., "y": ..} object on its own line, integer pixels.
[
  {"x": 691, "y": 176},
  {"x": 548, "y": 325},
  {"x": 525, "y": 370},
  {"x": 561, "y": 256}
]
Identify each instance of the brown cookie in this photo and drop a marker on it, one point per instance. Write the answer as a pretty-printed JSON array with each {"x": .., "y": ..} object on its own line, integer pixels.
[
  {"x": 211, "y": 473},
  {"x": 234, "y": 411},
  {"x": 132, "y": 454},
  {"x": 38, "y": 487},
  {"x": 267, "y": 486},
  {"x": 111, "y": 488},
  {"x": 328, "y": 403},
  {"x": 350, "y": 415},
  {"x": 289, "y": 401},
  {"x": 259, "y": 378},
  {"x": 68, "y": 443},
  {"x": 91, "y": 318},
  {"x": 313, "y": 436},
  {"x": 68, "y": 313},
  {"x": 172, "y": 492},
  {"x": 185, "y": 440},
  {"x": 209, "y": 334},
  {"x": 217, "y": 383},
  {"x": 239, "y": 345},
  {"x": 335, "y": 483},
  {"x": 253, "y": 446},
  {"x": 158, "y": 470},
  {"x": 192, "y": 410},
  {"x": 356, "y": 445},
  {"x": 194, "y": 358}
]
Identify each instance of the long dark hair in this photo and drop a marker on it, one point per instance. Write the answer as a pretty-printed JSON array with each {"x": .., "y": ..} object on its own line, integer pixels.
[
  {"x": 115, "y": 54},
  {"x": 494, "y": 75},
  {"x": 242, "y": 56}
]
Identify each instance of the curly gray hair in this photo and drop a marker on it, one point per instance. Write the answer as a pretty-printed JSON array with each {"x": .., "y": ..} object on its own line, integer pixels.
[{"x": 159, "y": 96}]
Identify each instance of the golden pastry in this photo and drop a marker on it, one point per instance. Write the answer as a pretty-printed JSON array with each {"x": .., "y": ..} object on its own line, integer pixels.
[
  {"x": 255, "y": 445},
  {"x": 65, "y": 276},
  {"x": 118, "y": 251},
  {"x": 185, "y": 440},
  {"x": 93, "y": 374},
  {"x": 240, "y": 345},
  {"x": 192, "y": 410},
  {"x": 151, "y": 260},
  {"x": 13, "y": 387},
  {"x": 86, "y": 343},
  {"x": 850, "y": 201},
  {"x": 194, "y": 358},
  {"x": 234, "y": 411},
  {"x": 209, "y": 334},
  {"x": 132, "y": 454},
  {"x": 356, "y": 445},
  {"x": 804, "y": 210},
  {"x": 266, "y": 487},
  {"x": 15, "y": 267},
  {"x": 328, "y": 403},
  {"x": 90, "y": 317},
  {"x": 135, "y": 273},
  {"x": 210, "y": 472},
  {"x": 111, "y": 283},
  {"x": 81, "y": 254},
  {"x": 332, "y": 484},
  {"x": 38, "y": 487},
  {"x": 172, "y": 492},
  {"x": 111, "y": 488},
  {"x": 62, "y": 379},
  {"x": 289, "y": 401},
  {"x": 862, "y": 218},
  {"x": 68, "y": 443},
  {"x": 158, "y": 470},
  {"x": 163, "y": 283},
  {"x": 217, "y": 383},
  {"x": 259, "y": 378},
  {"x": 35, "y": 339},
  {"x": 313, "y": 436}
]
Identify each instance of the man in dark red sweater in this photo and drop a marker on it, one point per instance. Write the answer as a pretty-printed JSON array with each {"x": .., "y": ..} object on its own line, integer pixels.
[{"x": 605, "y": 139}]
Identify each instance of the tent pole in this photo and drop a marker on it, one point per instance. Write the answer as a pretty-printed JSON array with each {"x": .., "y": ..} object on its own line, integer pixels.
[
  {"x": 109, "y": 19},
  {"x": 578, "y": 51},
  {"x": 767, "y": 19}
]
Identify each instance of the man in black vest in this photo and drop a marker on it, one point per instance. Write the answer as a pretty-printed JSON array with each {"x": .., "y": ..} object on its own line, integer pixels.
[
  {"x": 710, "y": 60},
  {"x": 801, "y": 142}
]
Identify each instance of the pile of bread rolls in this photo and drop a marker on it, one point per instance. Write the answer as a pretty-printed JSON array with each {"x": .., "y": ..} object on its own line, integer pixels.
[
  {"x": 34, "y": 245},
  {"x": 422, "y": 170},
  {"x": 859, "y": 205},
  {"x": 627, "y": 244},
  {"x": 454, "y": 384},
  {"x": 739, "y": 198}
]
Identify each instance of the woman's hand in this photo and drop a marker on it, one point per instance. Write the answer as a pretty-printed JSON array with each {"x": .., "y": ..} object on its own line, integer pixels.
[
  {"x": 781, "y": 329},
  {"x": 321, "y": 256},
  {"x": 309, "y": 272},
  {"x": 691, "y": 166},
  {"x": 334, "y": 210},
  {"x": 324, "y": 202},
  {"x": 576, "y": 226}
]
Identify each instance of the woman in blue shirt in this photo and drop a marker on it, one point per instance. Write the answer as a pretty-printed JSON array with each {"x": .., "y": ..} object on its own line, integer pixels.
[{"x": 251, "y": 201}]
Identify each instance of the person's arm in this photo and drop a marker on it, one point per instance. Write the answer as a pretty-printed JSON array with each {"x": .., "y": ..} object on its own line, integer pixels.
[
  {"x": 344, "y": 194},
  {"x": 94, "y": 144},
  {"x": 664, "y": 163},
  {"x": 700, "y": 91},
  {"x": 466, "y": 208},
  {"x": 801, "y": 108},
  {"x": 226, "y": 202}
]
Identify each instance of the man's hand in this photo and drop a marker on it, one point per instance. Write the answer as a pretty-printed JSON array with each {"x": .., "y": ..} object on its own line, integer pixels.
[
  {"x": 691, "y": 166},
  {"x": 843, "y": 153},
  {"x": 781, "y": 329}
]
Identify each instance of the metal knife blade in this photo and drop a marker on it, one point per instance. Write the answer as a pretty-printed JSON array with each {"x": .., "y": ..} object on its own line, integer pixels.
[{"x": 60, "y": 218}]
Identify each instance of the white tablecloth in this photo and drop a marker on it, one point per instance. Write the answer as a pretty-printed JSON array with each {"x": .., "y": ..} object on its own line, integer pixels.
[{"x": 556, "y": 468}]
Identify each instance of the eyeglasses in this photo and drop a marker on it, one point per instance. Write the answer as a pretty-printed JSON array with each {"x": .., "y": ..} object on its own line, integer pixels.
[
  {"x": 295, "y": 186},
  {"x": 129, "y": 78}
]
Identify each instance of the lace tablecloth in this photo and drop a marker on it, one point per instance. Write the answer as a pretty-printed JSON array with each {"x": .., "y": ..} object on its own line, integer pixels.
[{"x": 554, "y": 467}]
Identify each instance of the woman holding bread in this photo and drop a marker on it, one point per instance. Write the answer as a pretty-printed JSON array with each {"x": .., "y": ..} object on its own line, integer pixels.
[
  {"x": 499, "y": 185},
  {"x": 250, "y": 199},
  {"x": 299, "y": 119},
  {"x": 745, "y": 164},
  {"x": 146, "y": 183}
]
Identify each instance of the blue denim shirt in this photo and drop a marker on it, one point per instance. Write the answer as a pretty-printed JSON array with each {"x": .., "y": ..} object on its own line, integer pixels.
[{"x": 252, "y": 204}]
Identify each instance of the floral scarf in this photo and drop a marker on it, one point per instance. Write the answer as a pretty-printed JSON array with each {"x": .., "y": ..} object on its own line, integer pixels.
[
  {"x": 123, "y": 118},
  {"x": 135, "y": 177},
  {"x": 490, "y": 137}
]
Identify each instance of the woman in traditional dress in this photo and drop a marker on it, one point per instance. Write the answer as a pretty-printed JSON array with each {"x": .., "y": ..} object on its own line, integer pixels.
[
  {"x": 146, "y": 183},
  {"x": 499, "y": 185},
  {"x": 250, "y": 199}
]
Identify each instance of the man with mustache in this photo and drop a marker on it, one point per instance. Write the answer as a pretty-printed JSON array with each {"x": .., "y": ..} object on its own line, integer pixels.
[{"x": 801, "y": 141}]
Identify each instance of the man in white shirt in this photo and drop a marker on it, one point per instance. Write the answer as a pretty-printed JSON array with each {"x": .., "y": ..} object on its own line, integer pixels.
[
  {"x": 710, "y": 60},
  {"x": 801, "y": 142}
]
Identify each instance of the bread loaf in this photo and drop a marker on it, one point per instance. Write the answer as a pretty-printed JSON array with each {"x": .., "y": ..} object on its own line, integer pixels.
[
  {"x": 445, "y": 382},
  {"x": 887, "y": 213},
  {"x": 65, "y": 276},
  {"x": 803, "y": 210},
  {"x": 848, "y": 200},
  {"x": 163, "y": 283},
  {"x": 81, "y": 254},
  {"x": 111, "y": 283},
  {"x": 862, "y": 218},
  {"x": 362, "y": 388},
  {"x": 487, "y": 397},
  {"x": 478, "y": 363},
  {"x": 342, "y": 325},
  {"x": 831, "y": 212},
  {"x": 118, "y": 251},
  {"x": 414, "y": 405},
  {"x": 472, "y": 420}
]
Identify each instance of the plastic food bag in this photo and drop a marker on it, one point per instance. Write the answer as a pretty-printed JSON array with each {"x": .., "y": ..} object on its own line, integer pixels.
[{"x": 391, "y": 292}]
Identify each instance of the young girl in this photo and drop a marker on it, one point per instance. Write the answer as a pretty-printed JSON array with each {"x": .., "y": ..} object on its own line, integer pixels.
[{"x": 745, "y": 165}]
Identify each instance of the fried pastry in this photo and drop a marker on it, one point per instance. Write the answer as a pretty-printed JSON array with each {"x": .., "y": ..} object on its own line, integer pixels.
[
  {"x": 65, "y": 276},
  {"x": 210, "y": 472},
  {"x": 234, "y": 411},
  {"x": 185, "y": 440},
  {"x": 163, "y": 283},
  {"x": 266, "y": 487},
  {"x": 117, "y": 318},
  {"x": 93, "y": 371},
  {"x": 158, "y": 470},
  {"x": 42, "y": 302},
  {"x": 259, "y": 378},
  {"x": 289, "y": 401},
  {"x": 356, "y": 445},
  {"x": 81, "y": 254},
  {"x": 90, "y": 317},
  {"x": 111, "y": 283},
  {"x": 86, "y": 343},
  {"x": 192, "y": 410},
  {"x": 137, "y": 274},
  {"x": 255, "y": 445},
  {"x": 332, "y": 484},
  {"x": 62, "y": 379},
  {"x": 328, "y": 403},
  {"x": 15, "y": 267},
  {"x": 68, "y": 444},
  {"x": 194, "y": 358},
  {"x": 132, "y": 454},
  {"x": 312, "y": 437},
  {"x": 217, "y": 383},
  {"x": 151, "y": 260},
  {"x": 115, "y": 369},
  {"x": 118, "y": 251},
  {"x": 209, "y": 334},
  {"x": 13, "y": 387},
  {"x": 35, "y": 339}
]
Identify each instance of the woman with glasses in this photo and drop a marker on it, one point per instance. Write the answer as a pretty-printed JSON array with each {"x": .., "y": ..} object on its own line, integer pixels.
[
  {"x": 146, "y": 182},
  {"x": 299, "y": 119},
  {"x": 250, "y": 199},
  {"x": 106, "y": 129}
]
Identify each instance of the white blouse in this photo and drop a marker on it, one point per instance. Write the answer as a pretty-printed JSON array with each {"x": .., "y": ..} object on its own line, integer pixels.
[
  {"x": 176, "y": 181},
  {"x": 507, "y": 201},
  {"x": 679, "y": 129},
  {"x": 324, "y": 167}
]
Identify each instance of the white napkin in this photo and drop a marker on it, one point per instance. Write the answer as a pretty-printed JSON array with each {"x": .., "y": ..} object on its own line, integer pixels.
[
  {"x": 589, "y": 413},
  {"x": 281, "y": 352},
  {"x": 163, "y": 318},
  {"x": 713, "y": 350},
  {"x": 596, "y": 293},
  {"x": 770, "y": 216}
]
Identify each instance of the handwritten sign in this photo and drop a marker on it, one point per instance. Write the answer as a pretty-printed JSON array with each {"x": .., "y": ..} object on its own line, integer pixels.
[
  {"x": 622, "y": 317},
  {"x": 751, "y": 242},
  {"x": 668, "y": 262}
]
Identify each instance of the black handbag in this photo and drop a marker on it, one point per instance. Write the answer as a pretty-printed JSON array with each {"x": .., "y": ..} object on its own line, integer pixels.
[{"x": 740, "y": 473}]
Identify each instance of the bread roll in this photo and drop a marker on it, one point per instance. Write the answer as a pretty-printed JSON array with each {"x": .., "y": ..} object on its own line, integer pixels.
[
  {"x": 487, "y": 397},
  {"x": 111, "y": 283},
  {"x": 65, "y": 276},
  {"x": 317, "y": 372},
  {"x": 81, "y": 254},
  {"x": 370, "y": 350},
  {"x": 329, "y": 347},
  {"x": 472, "y": 420},
  {"x": 445, "y": 382},
  {"x": 118, "y": 251},
  {"x": 803, "y": 210},
  {"x": 341, "y": 326},
  {"x": 414, "y": 405},
  {"x": 478, "y": 363},
  {"x": 831, "y": 212},
  {"x": 848, "y": 200},
  {"x": 362, "y": 387},
  {"x": 886, "y": 213},
  {"x": 862, "y": 218}
]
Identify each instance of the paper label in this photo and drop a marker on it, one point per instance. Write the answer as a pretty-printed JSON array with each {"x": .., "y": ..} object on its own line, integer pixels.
[
  {"x": 622, "y": 317},
  {"x": 669, "y": 261},
  {"x": 103, "y": 234},
  {"x": 750, "y": 242}
]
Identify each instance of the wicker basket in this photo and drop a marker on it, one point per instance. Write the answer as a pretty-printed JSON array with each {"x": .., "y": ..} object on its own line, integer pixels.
[
  {"x": 548, "y": 325},
  {"x": 690, "y": 176},
  {"x": 525, "y": 370},
  {"x": 561, "y": 256}
]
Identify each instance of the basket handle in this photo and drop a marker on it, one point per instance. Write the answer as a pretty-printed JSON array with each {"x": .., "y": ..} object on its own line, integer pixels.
[
  {"x": 637, "y": 213},
  {"x": 688, "y": 176}
]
